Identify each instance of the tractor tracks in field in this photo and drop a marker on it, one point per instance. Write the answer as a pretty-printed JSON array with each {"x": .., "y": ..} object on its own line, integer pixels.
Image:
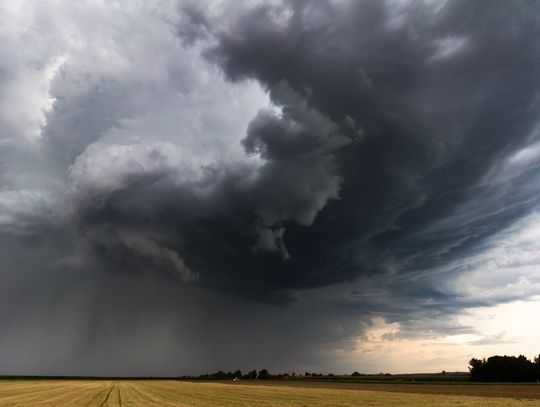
[
  {"x": 107, "y": 396},
  {"x": 119, "y": 394},
  {"x": 115, "y": 386},
  {"x": 94, "y": 401}
]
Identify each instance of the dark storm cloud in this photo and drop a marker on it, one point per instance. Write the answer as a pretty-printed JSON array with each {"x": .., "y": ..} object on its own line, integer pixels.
[
  {"x": 376, "y": 160},
  {"x": 442, "y": 95},
  {"x": 113, "y": 323},
  {"x": 150, "y": 195}
]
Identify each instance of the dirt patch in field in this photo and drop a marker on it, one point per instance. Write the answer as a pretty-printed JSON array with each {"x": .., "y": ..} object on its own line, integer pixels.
[{"x": 516, "y": 391}]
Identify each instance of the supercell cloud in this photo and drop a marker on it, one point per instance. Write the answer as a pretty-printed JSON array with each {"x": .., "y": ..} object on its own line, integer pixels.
[{"x": 190, "y": 186}]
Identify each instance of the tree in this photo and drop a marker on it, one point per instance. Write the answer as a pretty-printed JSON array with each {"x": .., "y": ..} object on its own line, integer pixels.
[
  {"x": 476, "y": 368},
  {"x": 503, "y": 369},
  {"x": 220, "y": 374},
  {"x": 263, "y": 374}
]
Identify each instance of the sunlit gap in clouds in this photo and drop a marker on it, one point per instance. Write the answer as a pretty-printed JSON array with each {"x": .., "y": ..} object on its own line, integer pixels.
[{"x": 499, "y": 291}]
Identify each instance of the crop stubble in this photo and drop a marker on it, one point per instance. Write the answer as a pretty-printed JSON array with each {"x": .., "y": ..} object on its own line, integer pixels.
[{"x": 155, "y": 393}]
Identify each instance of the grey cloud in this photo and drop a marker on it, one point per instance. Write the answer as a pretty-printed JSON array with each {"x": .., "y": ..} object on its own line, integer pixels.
[
  {"x": 437, "y": 97},
  {"x": 493, "y": 339},
  {"x": 95, "y": 322},
  {"x": 264, "y": 160},
  {"x": 371, "y": 160},
  {"x": 193, "y": 25},
  {"x": 300, "y": 173}
]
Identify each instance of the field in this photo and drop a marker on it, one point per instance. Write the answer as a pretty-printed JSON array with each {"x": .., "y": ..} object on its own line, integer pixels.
[{"x": 149, "y": 393}]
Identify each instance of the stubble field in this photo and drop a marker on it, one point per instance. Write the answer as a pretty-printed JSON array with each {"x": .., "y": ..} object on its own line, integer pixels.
[{"x": 60, "y": 393}]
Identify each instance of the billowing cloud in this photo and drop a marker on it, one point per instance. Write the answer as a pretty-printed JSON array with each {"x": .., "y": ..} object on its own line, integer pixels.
[{"x": 338, "y": 163}]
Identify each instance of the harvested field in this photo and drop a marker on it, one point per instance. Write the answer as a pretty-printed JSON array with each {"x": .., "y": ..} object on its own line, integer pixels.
[
  {"x": 176, "y": 393},
  {"x": 60, "y": 393},
  {"x": 523, "y": 391}
]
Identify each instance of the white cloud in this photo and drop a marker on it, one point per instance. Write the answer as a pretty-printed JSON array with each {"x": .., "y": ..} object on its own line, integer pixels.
[
  {"x": 110, "y": 167},
  {"x": 95, "y": 93},
  {"x": 505, "y": 269}
]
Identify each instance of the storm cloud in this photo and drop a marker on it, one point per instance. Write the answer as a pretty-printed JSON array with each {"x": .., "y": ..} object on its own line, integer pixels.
[{"x": 262, "y": 173}]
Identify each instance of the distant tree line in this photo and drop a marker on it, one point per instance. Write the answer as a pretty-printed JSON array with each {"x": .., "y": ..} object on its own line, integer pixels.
[
  {"x": 505, "y": 369},
  {"x": 262, "y": 374}
]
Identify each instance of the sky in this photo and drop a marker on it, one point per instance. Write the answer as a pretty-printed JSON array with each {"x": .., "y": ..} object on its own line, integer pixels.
[{"x": 325, "y": 185}]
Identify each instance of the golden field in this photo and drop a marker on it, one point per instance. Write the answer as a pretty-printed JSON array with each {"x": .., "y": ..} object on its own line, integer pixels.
[{"x": 149, "y": 393}]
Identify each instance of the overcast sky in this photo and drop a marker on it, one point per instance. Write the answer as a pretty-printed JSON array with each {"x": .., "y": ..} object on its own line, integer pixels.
[{"x": 187, "y": 186}]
